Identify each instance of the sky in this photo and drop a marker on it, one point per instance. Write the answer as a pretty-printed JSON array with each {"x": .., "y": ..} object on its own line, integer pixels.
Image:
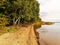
[{"x": 50, "y": 10}]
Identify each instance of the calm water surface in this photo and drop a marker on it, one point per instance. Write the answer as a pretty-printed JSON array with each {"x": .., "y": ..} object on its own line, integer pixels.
[{"x": 50, "y": 34}]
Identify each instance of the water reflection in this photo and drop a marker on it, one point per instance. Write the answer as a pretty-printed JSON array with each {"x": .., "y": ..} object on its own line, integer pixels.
[{"x": 50, "y": 34}]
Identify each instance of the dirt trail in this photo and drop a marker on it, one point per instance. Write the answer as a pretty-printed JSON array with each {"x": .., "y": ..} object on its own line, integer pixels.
[{"x": 24, "y": 36}]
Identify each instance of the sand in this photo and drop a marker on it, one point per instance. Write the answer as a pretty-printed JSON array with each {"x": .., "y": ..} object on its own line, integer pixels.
[{"x": 24, "y": 36}]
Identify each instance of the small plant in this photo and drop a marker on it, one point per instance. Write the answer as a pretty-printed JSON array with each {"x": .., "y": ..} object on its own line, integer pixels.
[{"x": 10, "y": 29}]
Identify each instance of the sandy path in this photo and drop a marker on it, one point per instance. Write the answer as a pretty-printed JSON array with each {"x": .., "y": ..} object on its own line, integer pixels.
[{"x": 24, "y": 36}]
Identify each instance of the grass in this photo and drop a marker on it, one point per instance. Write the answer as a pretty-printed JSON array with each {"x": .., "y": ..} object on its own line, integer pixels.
[{"x": 9, "y": 29}]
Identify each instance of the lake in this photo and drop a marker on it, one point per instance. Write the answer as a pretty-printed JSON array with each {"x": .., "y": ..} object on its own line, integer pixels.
[{"x": 50, "y": 34}]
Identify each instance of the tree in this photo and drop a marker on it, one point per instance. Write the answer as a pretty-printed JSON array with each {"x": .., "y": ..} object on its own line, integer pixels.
[
  {"x": 20, "y": 11},
  {"x": 3, "y": 21}
]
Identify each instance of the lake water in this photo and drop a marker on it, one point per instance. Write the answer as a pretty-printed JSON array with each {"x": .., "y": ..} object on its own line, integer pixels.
[{"x": 50, "y": 34}]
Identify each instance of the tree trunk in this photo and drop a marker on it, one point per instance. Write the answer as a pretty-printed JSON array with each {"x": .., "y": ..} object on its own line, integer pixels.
[
  {"x": 13, "y": 21},
  {"x": 17, "y": 20}
]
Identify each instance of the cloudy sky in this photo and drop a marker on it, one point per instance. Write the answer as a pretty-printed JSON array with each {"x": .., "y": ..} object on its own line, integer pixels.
[{"x": 50, "y": 10}]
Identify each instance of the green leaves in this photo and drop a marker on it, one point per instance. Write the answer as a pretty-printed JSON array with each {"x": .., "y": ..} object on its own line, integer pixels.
[
  {"x": 10, "y": 29},
  {"x": 17, "y": 10}
]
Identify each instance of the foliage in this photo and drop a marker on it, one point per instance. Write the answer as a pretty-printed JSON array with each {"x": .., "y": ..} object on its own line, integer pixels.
[
  {"x": 10, "y": 29},
  {"x": 19, "y": 11},
  {"x": 3, "y": 21},
  {"x": 49, "y": 23}
]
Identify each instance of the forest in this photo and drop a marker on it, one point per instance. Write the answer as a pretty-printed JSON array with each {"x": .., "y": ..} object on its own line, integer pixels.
[
  {"x": 19, "y": 12},
  {"x": 19, "y": 20}
]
